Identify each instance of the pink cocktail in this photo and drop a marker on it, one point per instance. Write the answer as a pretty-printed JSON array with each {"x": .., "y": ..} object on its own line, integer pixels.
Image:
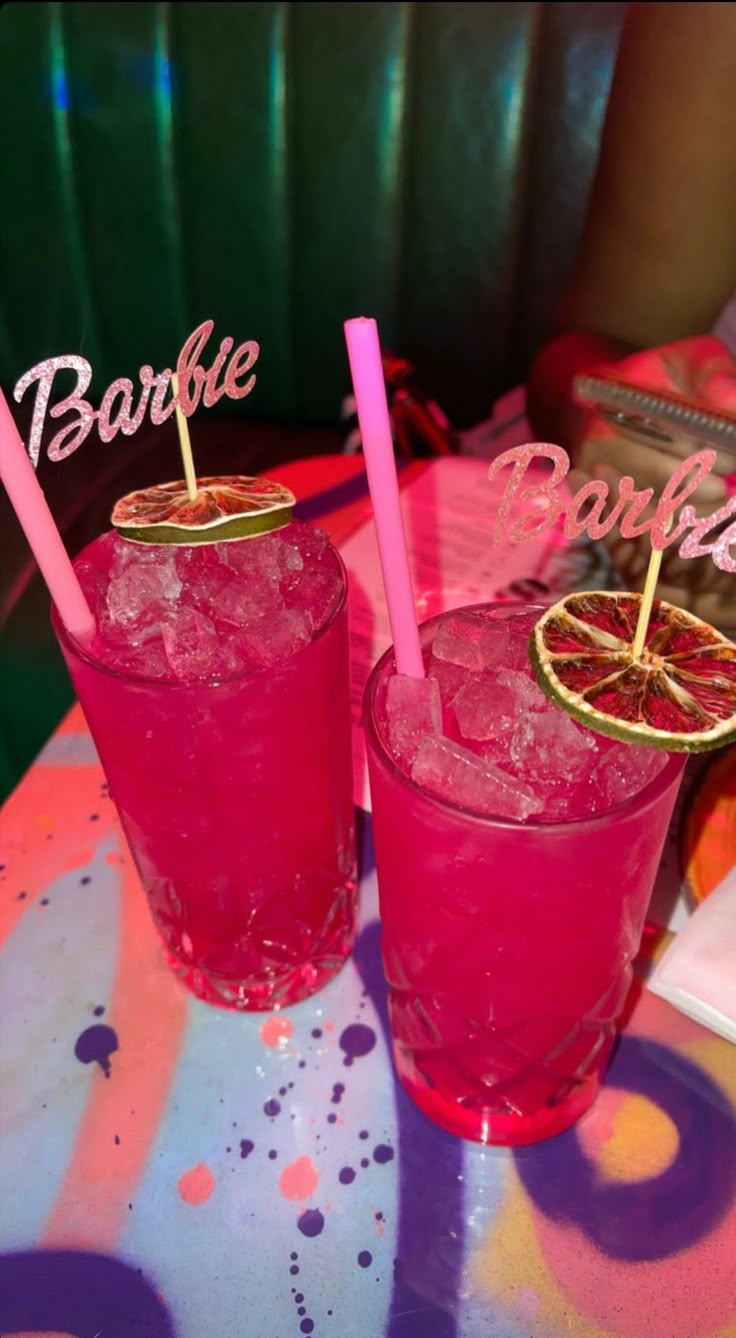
[
  {"x": 217, "y": 694},
  {"x": 516, "y": 856}
]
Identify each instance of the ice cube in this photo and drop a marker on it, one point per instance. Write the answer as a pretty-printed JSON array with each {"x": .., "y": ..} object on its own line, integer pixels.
[
  {"x": 257, "y": 557},
  {"x": 190, "y": 642},
  {"x": 562, "y": 801},
  {"x": 290, "y": 560},
  {"x": 191, "y": 560},
  {"x": 170, "y": 583},
  {"x": 312, "y": 544},
  {"x": 291, "y": 567},
  {"x": 453, "y": 773},
  {"x": 141, "y": 592},
  {"x": 185, "y": 555},
  {"x": 527, "y": 695},
  {"x": 470, "y": 640},
  {"x": 145, "y": 628},
  {"x": 519, "y": 629},
  {"x": 242, "y": 605},
  {"x": 450, "y": 678},
  {"x": 413, "y": 711},
  {"x": 92, "y": 580},
  {"x": 276, "y": 637},
  {"x": 207, "y": 584},
  {"x": 128, "y": 555},
  {"x": 146, "y": 659},
  {"x": 484, "y": 709},
  {"x": 552, "y": 745},
  {"x": 315, "y": 591},
  {"x": 623, "y": 770},
  {"x": 520, "y": 621}
]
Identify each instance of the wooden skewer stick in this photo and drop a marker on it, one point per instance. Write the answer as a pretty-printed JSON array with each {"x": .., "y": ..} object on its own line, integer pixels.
[
  {"x": 645, "y": 611},
  {"x": 650, "y": 585},
  {"x": 185, "y": 445}
]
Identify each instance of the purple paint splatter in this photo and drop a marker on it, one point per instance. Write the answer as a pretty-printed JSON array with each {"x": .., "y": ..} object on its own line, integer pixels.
[
  {"x": 346, "y": 1176},
  {"x": 365, "y": 1259},
  {"x": 356, "y": 1041},
  {"x": 337, "y": 1090},
  {"x": 95, "y": 1045},
  {"x": 272, "y": 1108},
  {"x": 246, "y": 1147},
  {"x": 72, "y": 1291},
  {"x": 311, "y": 1222},
  {"x": 383, "y": 1153}
]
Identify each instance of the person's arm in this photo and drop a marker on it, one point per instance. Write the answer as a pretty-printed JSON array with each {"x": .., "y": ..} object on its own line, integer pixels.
[{"x": 657, "y": 259}]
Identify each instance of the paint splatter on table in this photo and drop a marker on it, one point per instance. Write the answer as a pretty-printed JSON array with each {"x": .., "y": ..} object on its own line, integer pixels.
[{"x": 170, "y": 1169}]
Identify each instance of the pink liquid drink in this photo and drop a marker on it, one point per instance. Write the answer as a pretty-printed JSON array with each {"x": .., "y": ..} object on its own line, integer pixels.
[
  {"x": 516, "y": 856},
  {"x": 217, "y": 694}
]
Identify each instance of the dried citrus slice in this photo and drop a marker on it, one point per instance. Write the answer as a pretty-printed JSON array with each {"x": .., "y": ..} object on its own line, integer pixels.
[
  {"x": 229, "y": 507},
  {"x": 680, "y": 695}
]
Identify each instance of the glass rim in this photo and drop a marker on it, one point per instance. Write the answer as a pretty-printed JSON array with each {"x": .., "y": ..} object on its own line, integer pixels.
[
  {"x": 76, "y": 649},
  {"x": 649, "y": 793}
]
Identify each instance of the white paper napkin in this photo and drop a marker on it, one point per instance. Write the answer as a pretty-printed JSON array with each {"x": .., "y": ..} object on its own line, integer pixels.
[{"x": 697, "y": 973}]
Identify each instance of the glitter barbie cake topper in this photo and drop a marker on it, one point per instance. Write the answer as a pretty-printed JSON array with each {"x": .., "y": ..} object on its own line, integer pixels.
[
  {"x": 543, "y": 503},
  {"x": 116, "y": 412}
]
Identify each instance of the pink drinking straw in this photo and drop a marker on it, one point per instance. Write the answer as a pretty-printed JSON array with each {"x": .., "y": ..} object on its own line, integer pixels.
[
  {"x": 31, "y": 508},
  {"x": 364, "y": 353}
]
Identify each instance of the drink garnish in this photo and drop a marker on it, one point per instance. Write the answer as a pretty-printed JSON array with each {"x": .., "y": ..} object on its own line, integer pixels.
[
  {"x": 678, "y": 694},
  {"x": 225, "y": 507}
]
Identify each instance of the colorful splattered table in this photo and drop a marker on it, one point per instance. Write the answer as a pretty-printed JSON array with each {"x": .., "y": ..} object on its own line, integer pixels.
[{"x": 170, "y": 1169}]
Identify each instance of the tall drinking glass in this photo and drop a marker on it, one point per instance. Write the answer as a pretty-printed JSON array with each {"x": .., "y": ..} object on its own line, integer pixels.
[
  {"x": 507, "y": 944},
  {"x": 232, "y": 778}
]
